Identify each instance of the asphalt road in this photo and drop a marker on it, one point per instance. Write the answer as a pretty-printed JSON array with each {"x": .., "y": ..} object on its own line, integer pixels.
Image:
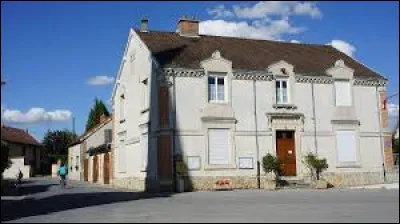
[{"x": 42, "y": 200}]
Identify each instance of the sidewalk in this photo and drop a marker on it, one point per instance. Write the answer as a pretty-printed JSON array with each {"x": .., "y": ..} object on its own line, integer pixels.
[{"x": 378, "y": 186}]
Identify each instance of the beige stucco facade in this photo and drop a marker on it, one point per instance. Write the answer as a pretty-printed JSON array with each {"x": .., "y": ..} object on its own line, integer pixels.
[
  {"x": 23, "y": 158},
  {"x": 251, "y": 115}
]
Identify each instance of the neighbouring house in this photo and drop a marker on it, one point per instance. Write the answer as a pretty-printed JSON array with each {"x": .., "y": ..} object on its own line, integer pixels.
[
  {"x": 89, "y": 158},
  {"x": 24, "y": 152},
  {"x": 205, "y": 108}
]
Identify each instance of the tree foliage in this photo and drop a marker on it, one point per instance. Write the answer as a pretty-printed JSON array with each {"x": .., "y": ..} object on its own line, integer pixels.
[
  {"x": 56, "y": 143},
  {"x": 395, "y": 145},
  {"x": 315, "y": 164},
  {"x": 271, "y": 164},
  {"x": 5, "y": 162},
  {"x": 98, "y": 109}
]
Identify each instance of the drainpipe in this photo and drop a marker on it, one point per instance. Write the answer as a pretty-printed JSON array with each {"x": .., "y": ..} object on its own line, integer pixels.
[
  {"x": 256, "y": 127},
  {"x": 174, "y": 134},
  {"x": 380, "y": 132},
  {"x": 314, "y": 119}
]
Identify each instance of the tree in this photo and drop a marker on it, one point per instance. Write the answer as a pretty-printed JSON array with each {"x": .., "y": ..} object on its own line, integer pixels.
[
  {"x": 271, "y": 164},
  {"x": 395, "y": 145},
  {"x": 56, "y": 143},
  {"x": 315, "y": 164},
  {"x": 5, "y": 162},
  {"x": 98, "y": 109}
]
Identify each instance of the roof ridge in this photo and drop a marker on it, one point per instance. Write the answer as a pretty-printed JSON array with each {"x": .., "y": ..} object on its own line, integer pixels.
[{"x": 240, "y": 38}]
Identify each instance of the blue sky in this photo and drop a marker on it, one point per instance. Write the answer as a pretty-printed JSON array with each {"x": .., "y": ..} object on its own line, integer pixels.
[{"x": 50, "y": 50}]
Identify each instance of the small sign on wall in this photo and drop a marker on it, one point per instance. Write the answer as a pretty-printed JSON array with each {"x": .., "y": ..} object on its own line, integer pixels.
[
  {"x": 193, "y": 162},
  {"x": 245, "y": 162}
]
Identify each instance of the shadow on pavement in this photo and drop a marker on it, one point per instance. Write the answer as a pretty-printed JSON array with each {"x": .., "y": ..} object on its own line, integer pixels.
[{"x": 11, "y": 210}]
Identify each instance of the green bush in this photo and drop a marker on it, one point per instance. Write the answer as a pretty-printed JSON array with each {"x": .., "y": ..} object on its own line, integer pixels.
[
  {"x": 395, "y": 145},
  {"x": 315, "y": 164},
  {"x": 271, "y": 164}
]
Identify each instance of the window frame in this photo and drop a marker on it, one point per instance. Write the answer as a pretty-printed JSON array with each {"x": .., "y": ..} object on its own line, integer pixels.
[
  {"x": 145, "y": 95},
  {"x": 122, "y": 108},
  {"x": 288, "y": 91},
  {"x": 122, "y": 146},
  {"x": 350, "y": 100},
  {"x": 228, "y": 153},
  {"x": 217, "y": 76},
  {"x": 347, "y": 164}
]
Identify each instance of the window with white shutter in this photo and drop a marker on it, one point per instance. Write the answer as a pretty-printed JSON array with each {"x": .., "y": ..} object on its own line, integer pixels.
[
  {"x": 145, "y": 149},
  {"x": 122, "y": 108},
  {"x": 343, "y": 93},
  {"x": 122, "y": 156},
  {"x": 346, "y": 146},
  {"x": 218, "y": 146}
]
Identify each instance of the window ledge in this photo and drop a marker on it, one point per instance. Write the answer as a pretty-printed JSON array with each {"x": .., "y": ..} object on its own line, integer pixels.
[
  {"x": 145, "y": 110},
  {"x": 282, "y": 105},
  {"x": 348, "y": 165},
  {"x": 220, "y": 167},
  {"x": 218, "y": 102}
]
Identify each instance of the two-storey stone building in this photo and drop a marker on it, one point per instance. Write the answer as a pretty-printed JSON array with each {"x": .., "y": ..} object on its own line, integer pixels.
[{"x": 220, "y": 104}]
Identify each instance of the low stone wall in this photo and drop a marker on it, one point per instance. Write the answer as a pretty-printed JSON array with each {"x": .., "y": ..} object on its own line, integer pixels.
[
  {"x": 200, "y": 183},
  {"x": 392, "y": 176},
  {"x": 353, "y": 178},
  {"x": 137, "y": 184},
  {"x": 133, "y": 183}
]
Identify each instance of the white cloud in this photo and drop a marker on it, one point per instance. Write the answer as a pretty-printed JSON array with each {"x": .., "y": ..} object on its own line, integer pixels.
[
  {"x": 343, "y": 46},
  {"x": 307, "y": 8},
  {"x": 219, "y": 12},
  {"x": 278, "y": 8},
  {"x": 101, "y": 80},
  {"x": 295, "y": 41},
  {"x": 265, "y": 29},
  {"x": 263, "y": 20},
  {"x": 35, "y": 115}
]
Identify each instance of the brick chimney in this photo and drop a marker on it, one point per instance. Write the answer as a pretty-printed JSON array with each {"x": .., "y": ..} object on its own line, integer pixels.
[
  {"x": 103, "y": 118},
  {"x": 144, "y": 25},
  {"x": 188, "y": 26}
]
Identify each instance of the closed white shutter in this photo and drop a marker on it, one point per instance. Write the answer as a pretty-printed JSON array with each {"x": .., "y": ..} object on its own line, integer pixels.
[
  {"x": 122, "y": 156},
  {"x": 346, "y": 146},
  {"x": 145, "y": 149},
  {"x": 343, "y": 93},
  {"x": 218, "y": 143}
]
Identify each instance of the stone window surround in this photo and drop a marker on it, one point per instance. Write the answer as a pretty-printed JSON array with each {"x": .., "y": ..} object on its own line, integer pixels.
[
  {"x": 219, "y": 123},
  {"x": 351, "y": 81},
  {"x": 347, "y": 126},
  {"x": 226, "y": 86},
  {"x": 121, "y": 137}
]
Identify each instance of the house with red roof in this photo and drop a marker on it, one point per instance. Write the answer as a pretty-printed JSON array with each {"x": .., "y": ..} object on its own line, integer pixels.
[{"x": 25, "y": 152}]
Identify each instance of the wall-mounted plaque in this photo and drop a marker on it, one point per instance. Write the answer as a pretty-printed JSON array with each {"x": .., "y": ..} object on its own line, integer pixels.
[
  {"x": 245, "y": 162},
  {"x": 193, "y": 162}
]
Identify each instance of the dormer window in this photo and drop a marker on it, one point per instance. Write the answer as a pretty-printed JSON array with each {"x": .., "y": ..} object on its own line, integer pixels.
[
  {"x": 282, "y": 91},
  {"x": 216, "y": 88}
]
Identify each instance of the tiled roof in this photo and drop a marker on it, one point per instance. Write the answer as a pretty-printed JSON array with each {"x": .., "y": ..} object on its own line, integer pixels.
[
  {"x": 172, "y": 50},
  {"x": 16, "y": 135}
]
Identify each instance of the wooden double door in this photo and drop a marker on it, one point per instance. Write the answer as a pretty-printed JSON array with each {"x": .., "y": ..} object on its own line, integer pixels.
[{"x": 286, "y": 152}]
